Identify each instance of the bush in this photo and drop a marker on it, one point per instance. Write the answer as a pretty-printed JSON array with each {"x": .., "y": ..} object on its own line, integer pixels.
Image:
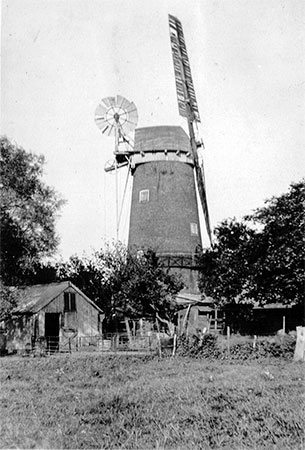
[
  {"x": 204, "y": 347},
  {"x": 208, "y": 346}
]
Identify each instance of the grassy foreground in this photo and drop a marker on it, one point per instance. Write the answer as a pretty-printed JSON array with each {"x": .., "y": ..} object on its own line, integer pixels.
[{"x": 129, "y": 402}]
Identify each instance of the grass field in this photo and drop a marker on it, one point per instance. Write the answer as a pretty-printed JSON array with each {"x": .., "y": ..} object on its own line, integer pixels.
[{"x": 92, "y": 401}]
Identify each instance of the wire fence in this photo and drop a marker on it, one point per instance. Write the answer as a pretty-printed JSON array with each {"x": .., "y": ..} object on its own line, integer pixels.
[
  {"x": 157, "y": 343},
  {"x": 110, "y": 342}
]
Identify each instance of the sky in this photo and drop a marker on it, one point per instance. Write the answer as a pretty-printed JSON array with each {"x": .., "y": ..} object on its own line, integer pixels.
[{"x": 59, "y": 58}]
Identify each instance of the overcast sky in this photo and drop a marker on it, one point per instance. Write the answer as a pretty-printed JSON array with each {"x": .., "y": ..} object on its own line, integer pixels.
[{"x": 61, "y": 57}]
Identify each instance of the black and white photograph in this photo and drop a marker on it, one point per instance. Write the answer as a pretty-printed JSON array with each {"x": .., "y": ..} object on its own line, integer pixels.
[{"x": 152, "y": 179}]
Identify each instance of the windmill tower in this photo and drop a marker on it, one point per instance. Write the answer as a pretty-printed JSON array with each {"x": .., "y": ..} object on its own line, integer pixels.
[{"x": 166, "y": 169}]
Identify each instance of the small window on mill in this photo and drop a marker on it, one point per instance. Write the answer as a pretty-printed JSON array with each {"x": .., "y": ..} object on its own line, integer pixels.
[
  {"x": 194, "y": 229},
  {"x": 69, "y": 300},
  {"x": 144, "y": 196}
]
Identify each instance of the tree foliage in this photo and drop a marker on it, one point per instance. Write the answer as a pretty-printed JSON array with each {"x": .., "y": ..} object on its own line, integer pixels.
[
  {"x": 226, "y": 267},
  {"x": 261, "y": 258},
  {"x": 280, "y": 251},
  {"x": 118, "y": 280},
  {"x": 9, "y": 298},
  {"x": 28, "y": 212}
]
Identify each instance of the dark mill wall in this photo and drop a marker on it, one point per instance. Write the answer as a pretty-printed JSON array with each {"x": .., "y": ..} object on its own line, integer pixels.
[{"x": 164, "y": 222}]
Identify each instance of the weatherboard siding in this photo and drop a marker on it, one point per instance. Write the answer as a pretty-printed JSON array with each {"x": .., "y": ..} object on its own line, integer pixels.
[{"x": 85, "y": 319}]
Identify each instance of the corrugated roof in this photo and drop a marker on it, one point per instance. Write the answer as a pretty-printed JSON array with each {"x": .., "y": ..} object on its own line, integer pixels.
[
  {"x": 33, "y": 298},
  {"x": 161, "y": 138},
  {"x": 186, "y": 298}
]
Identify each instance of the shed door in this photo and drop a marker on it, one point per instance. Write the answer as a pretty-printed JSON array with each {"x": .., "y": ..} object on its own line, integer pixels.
[{"x": 52, "y": 330}]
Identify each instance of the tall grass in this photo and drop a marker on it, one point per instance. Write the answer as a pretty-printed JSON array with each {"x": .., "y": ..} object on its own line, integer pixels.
[{"x": 111, "y": 402}]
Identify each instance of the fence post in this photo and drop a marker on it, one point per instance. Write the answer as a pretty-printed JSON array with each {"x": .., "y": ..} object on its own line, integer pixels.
[
  {"x": 141, "y": 327},
  {"x": 284, "y": 324},
  {"x": 175, "y": 345},
  {"x": 128, "y": 330},
  {"x": 159, "y": 345},
  {"x": 299, "y": 353},
  {"x": 228, "y": 339}
]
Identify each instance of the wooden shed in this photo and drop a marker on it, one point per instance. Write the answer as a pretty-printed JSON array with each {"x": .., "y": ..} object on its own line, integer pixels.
[
  {"x": 197, "y": 314},
  {"x": 52, "y": 314}
]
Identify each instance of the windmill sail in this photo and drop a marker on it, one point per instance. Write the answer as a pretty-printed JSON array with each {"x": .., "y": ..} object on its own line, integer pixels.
[
  {"x": 187, "y": 104},
  {"x": 182, "y": 68},
  {"x": 203, "y": 198}
]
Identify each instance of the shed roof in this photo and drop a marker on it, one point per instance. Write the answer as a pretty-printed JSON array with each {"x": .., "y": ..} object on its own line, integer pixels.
[
  {"x": 187, "y": 298},
  {"x": 32, "y": 299}
]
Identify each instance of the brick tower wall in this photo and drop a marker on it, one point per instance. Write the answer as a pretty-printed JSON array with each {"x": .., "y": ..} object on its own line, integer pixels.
[{"x": 167, "y": 220}]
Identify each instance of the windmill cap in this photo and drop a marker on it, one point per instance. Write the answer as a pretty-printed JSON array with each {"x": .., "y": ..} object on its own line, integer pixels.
[{"x": 171, "y": 138}]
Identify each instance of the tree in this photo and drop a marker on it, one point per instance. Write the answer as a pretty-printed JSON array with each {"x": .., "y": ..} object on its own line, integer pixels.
[
  {"x": 261, "y": 258},
  {"x": 118, "y": 280},
  {"x": 142, "y": 288},
  {"x": 9, "y": 299},
  {"x": 28, "y": 213},
  {"x": 226, "y": 267},
  {"x": 278, "y": 274}
]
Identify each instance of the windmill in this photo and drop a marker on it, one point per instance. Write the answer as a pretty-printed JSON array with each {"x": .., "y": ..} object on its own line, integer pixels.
[
  {"x": 117, "y": 116},
  {"x": 165, "y": 166}
]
